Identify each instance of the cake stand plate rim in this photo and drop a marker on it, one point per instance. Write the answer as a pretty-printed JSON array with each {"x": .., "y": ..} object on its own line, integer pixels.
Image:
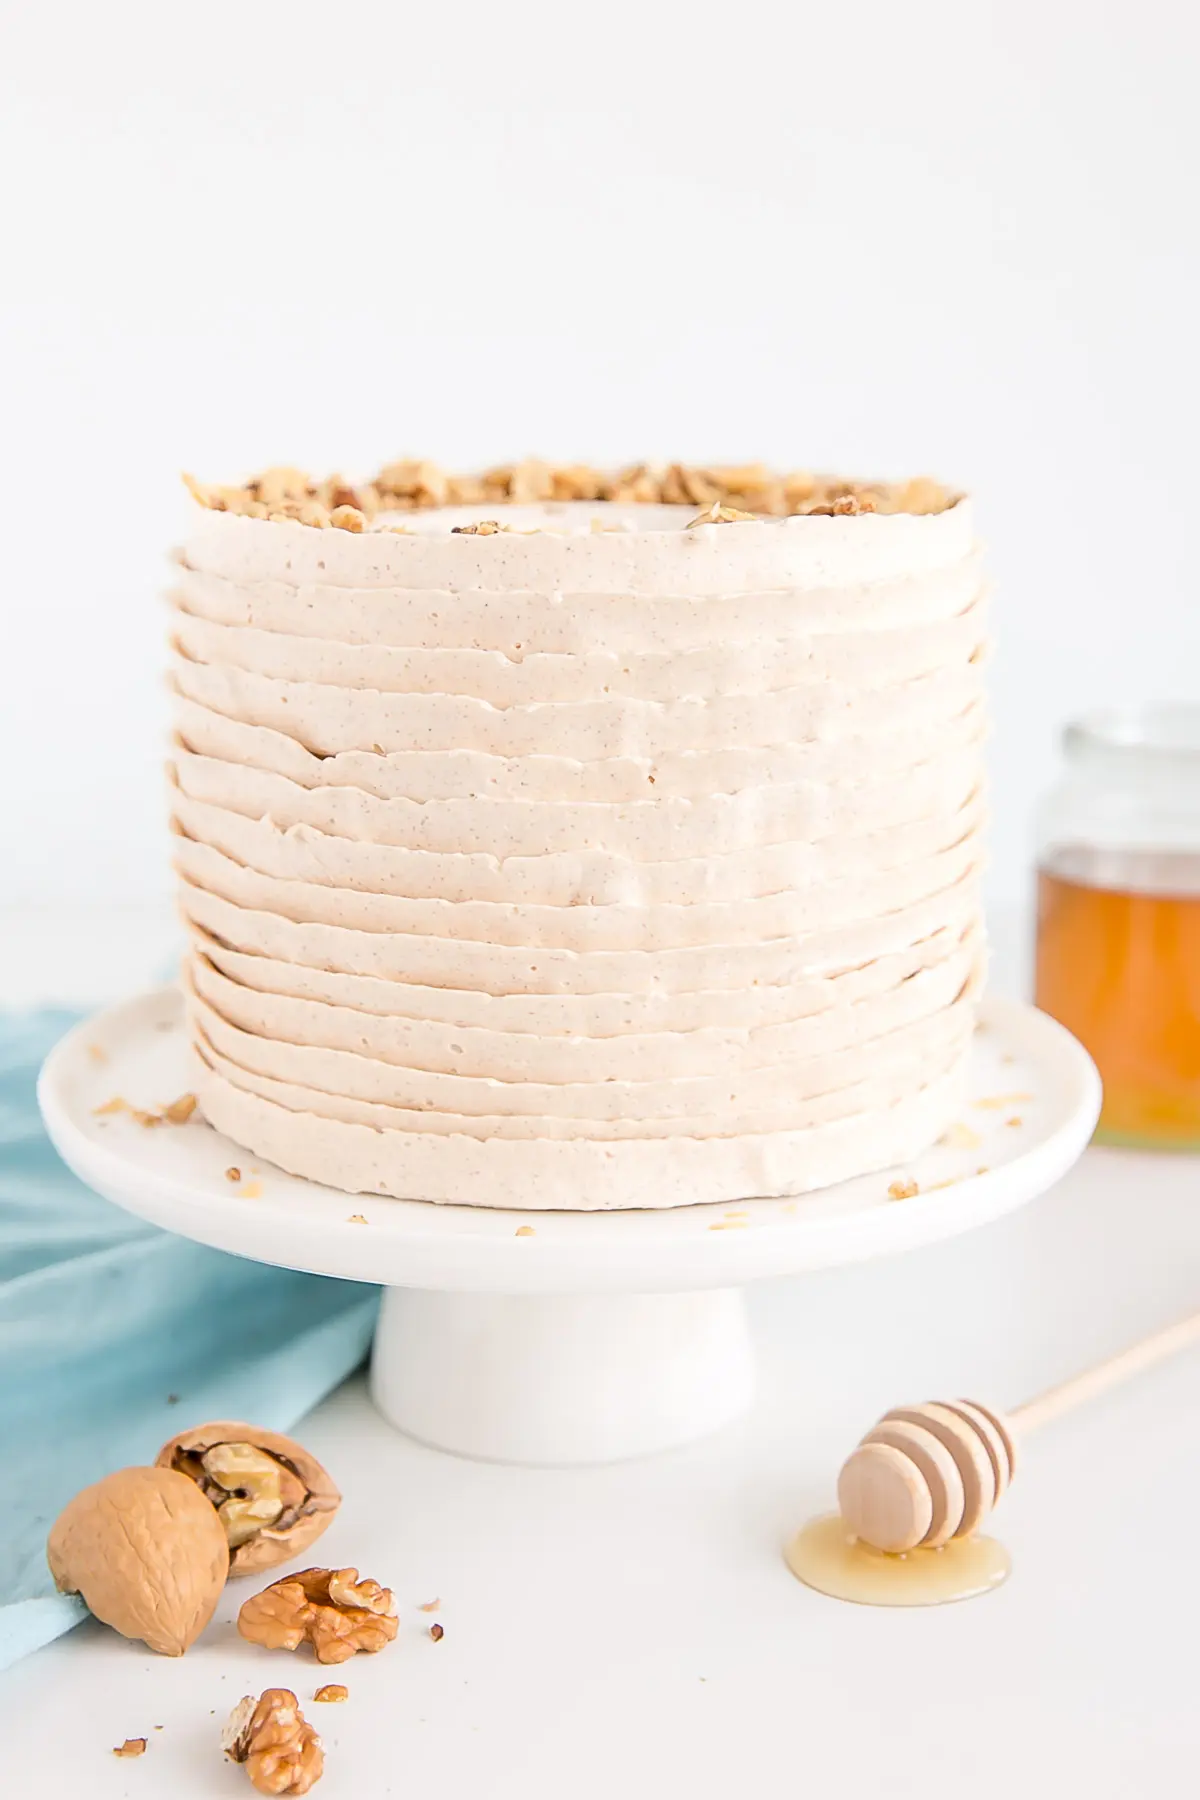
[{"x": 173, "y": 1177}]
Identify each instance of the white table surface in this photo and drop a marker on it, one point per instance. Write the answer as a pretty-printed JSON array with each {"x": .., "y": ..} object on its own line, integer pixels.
[{"x": 632, "y": 1630}]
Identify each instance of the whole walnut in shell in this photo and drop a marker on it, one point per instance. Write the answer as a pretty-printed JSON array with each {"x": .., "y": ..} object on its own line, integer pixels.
[
  {"x": 272, "y": 1498},
  {"x": 147, "y": 1553}
]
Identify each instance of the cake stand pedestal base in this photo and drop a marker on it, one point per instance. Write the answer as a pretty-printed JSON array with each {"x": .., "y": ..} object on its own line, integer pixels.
[
  {"x": 559, "y": 1337},
  {"x": 520, "y": 1378}
]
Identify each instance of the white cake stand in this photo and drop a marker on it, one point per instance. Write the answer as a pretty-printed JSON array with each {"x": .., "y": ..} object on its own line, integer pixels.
[{"x": 557, "y": 1337}]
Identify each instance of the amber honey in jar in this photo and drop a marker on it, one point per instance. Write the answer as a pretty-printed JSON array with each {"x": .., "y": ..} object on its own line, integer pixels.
[{"x": 1118, "y": 929}]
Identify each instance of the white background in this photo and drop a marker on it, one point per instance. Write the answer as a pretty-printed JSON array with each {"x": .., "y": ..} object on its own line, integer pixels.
[{"x": 950, "y": 236}]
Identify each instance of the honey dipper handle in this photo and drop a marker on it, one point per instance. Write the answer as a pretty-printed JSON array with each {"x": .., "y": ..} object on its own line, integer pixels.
[{"x": 1138, "y": 1357}]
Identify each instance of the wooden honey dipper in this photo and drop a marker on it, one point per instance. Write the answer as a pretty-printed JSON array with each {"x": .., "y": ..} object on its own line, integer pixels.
[{"x": 926, "y": 1474}]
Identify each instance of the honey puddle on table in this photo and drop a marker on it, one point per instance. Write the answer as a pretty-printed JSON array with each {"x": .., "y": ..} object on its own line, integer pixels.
[{"x": 828, "y": 1557}]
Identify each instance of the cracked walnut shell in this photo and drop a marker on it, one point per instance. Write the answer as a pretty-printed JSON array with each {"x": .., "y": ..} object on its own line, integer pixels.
[
  {"x": 272, "y": 1498},
  {"x": 329, "y": 1608},
  {"x": 147, "y": 1553},
  {"x": 281, "y": 1751}
]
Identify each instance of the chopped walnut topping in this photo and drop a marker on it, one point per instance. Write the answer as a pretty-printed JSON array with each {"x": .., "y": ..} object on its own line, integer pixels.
[
  {"x": 902, "y": 1190},
  {"x": 689, "y": 487},
  {"x": 116, "y": 1105},
  {"x": 328, "y": 1608},
  {"x": 750, "y": 490},
  {"x": 634, "y": 485},
  {"x": 131, "y": 1747},
  {"x": 481, "y": 528},
  {"x": 331, "y": 1693},
  {"x": 576, "y": 483},
  {"x": 281, "y": 1751},
  {"x": 274, "y": 486},
  {"x": 843, "y": 504},
  {"x": 148, "y": 1120},
  {"x": 335, "y": 492},
  {"x": 921, "y": 496},
  {"x": 530, "y": 482},
  {"x": 417, "y": 484}
]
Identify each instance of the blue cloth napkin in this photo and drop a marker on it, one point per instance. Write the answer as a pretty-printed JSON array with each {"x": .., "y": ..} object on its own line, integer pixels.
[{"x": 115, "y": 1335}]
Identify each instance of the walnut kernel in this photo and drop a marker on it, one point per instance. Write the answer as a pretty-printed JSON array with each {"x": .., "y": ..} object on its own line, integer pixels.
[
  {"x": 329, "y": 1608},
  {"x": 272, "y": 1498},
  {"x": 280, "y": 1749}
]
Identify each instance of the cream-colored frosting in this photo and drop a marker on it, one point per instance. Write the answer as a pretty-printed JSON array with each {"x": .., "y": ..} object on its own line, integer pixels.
[{"x": 581, "y": 868}]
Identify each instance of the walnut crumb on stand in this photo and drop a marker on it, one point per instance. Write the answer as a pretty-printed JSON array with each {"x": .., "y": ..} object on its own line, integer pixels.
[
  {"x": 902, "y": 1190},
  {"x": 281, "y": 1751}
]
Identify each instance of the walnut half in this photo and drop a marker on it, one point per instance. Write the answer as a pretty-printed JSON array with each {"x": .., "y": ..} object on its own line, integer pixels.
[
  {"x": 329, "y": 1608},
  {"x": 281, "y": 1751},
  {"x": 273, "y": 1499}
]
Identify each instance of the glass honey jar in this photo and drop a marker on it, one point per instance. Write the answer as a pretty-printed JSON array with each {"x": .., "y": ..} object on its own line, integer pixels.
[{"x": 1118, "y": 920}]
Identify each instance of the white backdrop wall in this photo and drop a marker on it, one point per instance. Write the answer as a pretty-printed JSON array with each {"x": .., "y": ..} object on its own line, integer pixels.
[{"x": 950, "y": 237}]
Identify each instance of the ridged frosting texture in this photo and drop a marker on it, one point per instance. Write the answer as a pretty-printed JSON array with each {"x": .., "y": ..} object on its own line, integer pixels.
[{"x": 577, "y": 869}]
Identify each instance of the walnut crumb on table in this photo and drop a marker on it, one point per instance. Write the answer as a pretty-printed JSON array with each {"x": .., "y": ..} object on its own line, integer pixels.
[
  {"x": 429, "y": 1606},
  {"x": 437, "y": 1632},
  {"x": 251, "y": 1190},
  {"x": 525, "y": 1231},
  {"x": 131, "y": 1747},
  {"x": 331, "y": 1693},
  {"x": 233, "y": 1175},
  {"x": 357, "y": 1219}
]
